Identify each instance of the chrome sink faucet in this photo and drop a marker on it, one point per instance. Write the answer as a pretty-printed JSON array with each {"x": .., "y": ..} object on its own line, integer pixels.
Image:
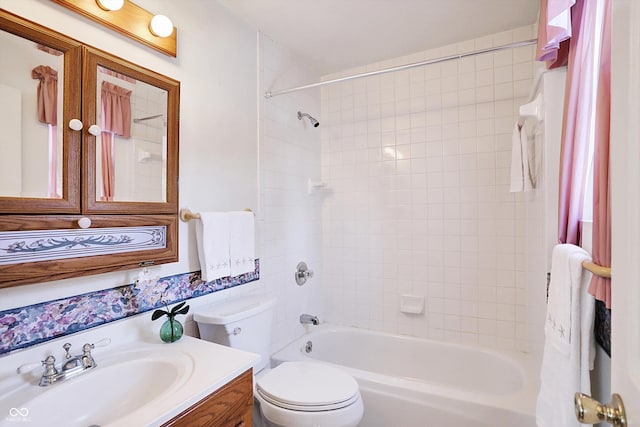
[
  {"x": 309, "y": 319},
  {"x": 73, "y": 366}
]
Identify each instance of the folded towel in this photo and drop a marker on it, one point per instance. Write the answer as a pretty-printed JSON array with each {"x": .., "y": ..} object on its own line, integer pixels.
[
  {"x": 212, "y": 235},
  {"x": 521, "y": 171},
  {"x": 242, "y": 242},
  {"x": 569, "y": 347}
]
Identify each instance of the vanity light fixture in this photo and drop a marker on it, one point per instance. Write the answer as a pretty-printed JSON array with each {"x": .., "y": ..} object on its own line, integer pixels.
[
  {"x": 110, "y": 5},
  {"x": 130, "y": 20},
  {"x": 161, "y": 26}
]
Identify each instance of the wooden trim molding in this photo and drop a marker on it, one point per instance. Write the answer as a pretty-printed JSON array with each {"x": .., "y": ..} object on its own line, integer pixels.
[
  {"x": 132, "y": 21},
  {"x": 36, "y": 270}
]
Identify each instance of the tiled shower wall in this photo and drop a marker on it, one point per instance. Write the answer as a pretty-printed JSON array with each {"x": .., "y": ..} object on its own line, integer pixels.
[
  {"x": 289, "y": 219},
  {"x": 418, "y": 202}
]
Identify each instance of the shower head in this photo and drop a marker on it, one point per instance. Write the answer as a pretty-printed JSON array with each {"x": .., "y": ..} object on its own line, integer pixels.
[{"x": 313, "y": 121}]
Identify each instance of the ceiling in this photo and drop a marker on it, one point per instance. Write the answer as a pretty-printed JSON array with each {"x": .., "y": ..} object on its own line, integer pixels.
[{"x": 334, "y": 35}]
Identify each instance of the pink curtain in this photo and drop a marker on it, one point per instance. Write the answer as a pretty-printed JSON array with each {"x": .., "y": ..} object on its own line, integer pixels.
[
  {"x": 116, "y": 120},
  {"x": 600, "y": 287},
  {"x": 577, "y": 124},
  {"x": 586, "y": 120},
  {"x": 47, "y": 97},
  {"x": 554, "y": 31}
]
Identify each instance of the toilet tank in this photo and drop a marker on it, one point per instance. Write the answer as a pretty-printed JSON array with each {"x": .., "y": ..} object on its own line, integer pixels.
[{"x": 242, "y": 322}]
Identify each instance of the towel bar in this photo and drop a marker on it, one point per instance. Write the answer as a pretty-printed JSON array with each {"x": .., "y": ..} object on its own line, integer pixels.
[
  {"x": 186, "y": 215},
  {"x": 596, "y": 269}
]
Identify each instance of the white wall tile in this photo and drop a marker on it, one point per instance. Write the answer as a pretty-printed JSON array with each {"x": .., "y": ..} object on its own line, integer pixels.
[{"x": 430, "y": 171}]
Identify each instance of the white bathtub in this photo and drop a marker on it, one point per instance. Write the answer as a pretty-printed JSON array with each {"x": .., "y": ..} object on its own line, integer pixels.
[{"x": 417, "y": 383}]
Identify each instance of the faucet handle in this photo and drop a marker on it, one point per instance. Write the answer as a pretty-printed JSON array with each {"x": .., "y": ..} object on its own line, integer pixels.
[
  {"x": 101, "y": 343},
  {"x": 48, "y": 363},
  {"x": 28, "y": 367},
  {"x": 87, "y": 359},
  {"x": 49, "y": 366},
  {"x": 302, "y": 273}
]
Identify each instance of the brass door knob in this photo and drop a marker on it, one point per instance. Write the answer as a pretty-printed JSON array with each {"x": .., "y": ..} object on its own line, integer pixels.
[{"x": 590, "y": 411}]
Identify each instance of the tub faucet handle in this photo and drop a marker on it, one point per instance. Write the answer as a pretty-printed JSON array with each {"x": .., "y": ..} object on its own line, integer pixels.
[{"x": 302, "y": 273}]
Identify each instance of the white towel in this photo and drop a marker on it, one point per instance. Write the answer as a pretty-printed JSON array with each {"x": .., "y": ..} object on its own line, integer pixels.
[
  {"x": 521, "y": 171},
  {"x": 569, "y": 347},
  {"x": 242, "y": 242},
  {"x": 212, "y": 235}
]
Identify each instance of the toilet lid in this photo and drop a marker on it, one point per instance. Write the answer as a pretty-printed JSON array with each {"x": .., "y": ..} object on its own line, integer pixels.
[{"x": 305, "y": 386}]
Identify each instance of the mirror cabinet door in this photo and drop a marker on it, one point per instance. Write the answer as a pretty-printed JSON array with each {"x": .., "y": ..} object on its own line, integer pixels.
[
  {"x": 83, "y": 133},
  {"x": 39, "y": 96},
  {"x": 131, "y": 158}
]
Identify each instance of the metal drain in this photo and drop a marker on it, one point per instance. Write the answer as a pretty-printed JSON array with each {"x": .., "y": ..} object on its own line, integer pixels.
[{"x": 308, "y": 347}]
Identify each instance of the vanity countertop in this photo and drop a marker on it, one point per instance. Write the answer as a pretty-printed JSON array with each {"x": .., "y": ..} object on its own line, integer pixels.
[
  {"x": 215, "y": 365},
  {"x": 138, "y": 383}
]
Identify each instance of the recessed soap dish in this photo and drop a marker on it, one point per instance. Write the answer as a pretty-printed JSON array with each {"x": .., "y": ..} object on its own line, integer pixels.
[{"x": 412, "y": 304}]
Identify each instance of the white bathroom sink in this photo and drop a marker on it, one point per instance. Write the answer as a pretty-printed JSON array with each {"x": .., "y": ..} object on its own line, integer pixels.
[
  {"x": 117, "y": 387},
  {"x": 144, "y": 385}
]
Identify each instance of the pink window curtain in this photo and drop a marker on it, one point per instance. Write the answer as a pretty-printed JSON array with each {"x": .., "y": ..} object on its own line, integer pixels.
[
  {"x": 600, "y": 287},
  {"x": 116, "y": 120},
  {"x": 586, "y": 119},
  {"x": 554, "y": 31},
  {"x": 47, "y": 99},
  {"x": 576, "y": 128}
]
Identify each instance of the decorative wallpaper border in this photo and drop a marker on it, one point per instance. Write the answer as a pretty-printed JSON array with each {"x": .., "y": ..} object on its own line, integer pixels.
[{"x": 30, "y": 325}]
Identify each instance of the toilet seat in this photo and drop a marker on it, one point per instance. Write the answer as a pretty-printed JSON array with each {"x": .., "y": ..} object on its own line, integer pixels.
[{"x": 308, "y": 387}]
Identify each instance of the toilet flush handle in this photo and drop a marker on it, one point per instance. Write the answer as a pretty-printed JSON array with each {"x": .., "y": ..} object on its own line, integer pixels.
[{"x": 236, "y": 331}]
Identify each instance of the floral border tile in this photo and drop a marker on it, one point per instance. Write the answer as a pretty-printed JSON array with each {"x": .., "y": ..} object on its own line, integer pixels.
[{"x": 26, "y": 326}]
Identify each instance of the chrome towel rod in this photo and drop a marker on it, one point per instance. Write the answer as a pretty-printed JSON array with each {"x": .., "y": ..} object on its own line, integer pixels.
[{"x": 271, "y": 94}]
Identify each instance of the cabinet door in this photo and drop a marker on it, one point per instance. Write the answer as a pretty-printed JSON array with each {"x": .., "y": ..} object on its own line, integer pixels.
[
  {"x": 39, "y": 96},
  {"x": 130, "y": 155},
  {"x": 230, "y": 406}
]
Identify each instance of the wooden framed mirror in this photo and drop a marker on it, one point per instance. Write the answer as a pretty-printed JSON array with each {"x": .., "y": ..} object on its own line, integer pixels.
[
  {"x": 136, "y": 224},
  {"x": 40, "y": 95},
  {"x": 131, "y": 165}
]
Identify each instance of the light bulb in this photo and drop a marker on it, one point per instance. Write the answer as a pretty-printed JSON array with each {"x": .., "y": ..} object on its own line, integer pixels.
[
  {"x": 161, "y": 26},
  {"x": 110, "y": 4}
]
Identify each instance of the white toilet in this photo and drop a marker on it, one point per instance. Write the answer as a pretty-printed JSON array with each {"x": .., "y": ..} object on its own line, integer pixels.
[{"x": 293, "y": 394}]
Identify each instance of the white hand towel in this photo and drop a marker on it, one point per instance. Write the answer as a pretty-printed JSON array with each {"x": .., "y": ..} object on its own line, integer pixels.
[
  {"x": 569, "y": 347},
  {"x": 527, "y": 170},
  {"x": 212, "y": 235},
  {"x": 521, "y": 170},
  {"x": 242, "y": 242}
]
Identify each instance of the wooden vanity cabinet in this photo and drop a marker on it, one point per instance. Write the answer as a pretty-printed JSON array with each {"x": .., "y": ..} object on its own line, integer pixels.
[{"x": 229, "y": 406}]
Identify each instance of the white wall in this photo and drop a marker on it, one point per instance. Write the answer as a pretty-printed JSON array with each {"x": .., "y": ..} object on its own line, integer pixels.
[
  {"x": 289, "y": 153},
  {"x": 418, "y": 167},
  {"x": 216, "y": 64},
  {"x": 542, "y": 208}
]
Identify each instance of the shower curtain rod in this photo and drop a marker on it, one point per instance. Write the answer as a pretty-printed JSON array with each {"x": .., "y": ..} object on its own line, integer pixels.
[{"x": 270, "y": 94}]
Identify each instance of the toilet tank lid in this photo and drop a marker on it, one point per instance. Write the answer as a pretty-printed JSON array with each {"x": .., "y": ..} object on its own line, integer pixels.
[{"x": 233, "y": 309}]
